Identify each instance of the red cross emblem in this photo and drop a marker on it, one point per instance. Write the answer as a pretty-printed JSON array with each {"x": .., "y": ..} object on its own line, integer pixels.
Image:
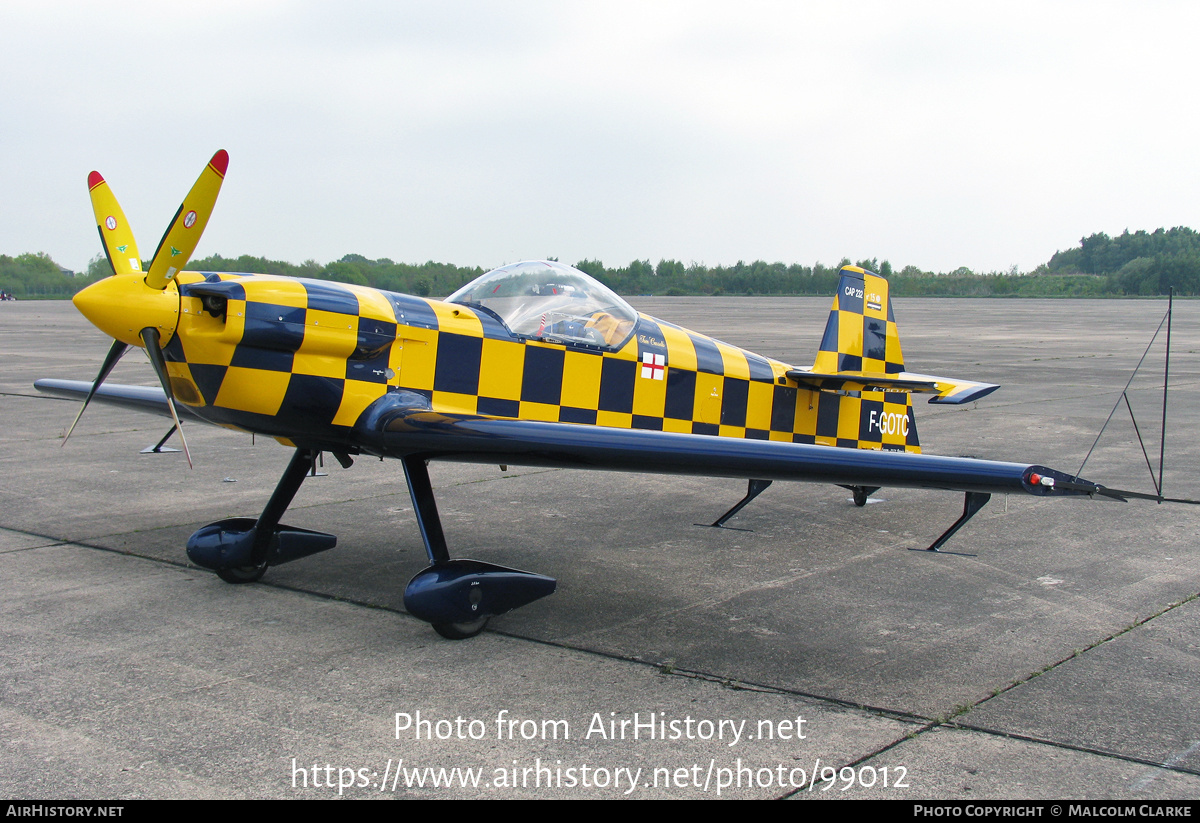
[{"x": 653, "y": 366}]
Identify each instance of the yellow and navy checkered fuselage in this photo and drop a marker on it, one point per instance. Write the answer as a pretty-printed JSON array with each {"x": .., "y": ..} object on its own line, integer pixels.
[{"x": 303, "y": 359}]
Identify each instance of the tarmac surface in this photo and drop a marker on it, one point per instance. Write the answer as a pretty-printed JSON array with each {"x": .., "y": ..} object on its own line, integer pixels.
[{"x": 808, "y": 653}]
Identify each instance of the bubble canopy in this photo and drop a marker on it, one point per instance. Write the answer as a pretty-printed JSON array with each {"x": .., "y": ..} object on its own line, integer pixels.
[{"x": 544, "y": 300}]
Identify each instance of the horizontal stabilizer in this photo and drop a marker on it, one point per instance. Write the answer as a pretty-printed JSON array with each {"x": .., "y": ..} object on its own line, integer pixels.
[{"x": 944, "y": 389}]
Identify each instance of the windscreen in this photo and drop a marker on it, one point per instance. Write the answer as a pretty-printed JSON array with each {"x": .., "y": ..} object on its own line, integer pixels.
[{"x": 544, "y": 300}]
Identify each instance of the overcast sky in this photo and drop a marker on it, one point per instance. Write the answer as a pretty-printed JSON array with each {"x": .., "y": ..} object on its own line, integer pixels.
[{"x": 941, "y": 135}]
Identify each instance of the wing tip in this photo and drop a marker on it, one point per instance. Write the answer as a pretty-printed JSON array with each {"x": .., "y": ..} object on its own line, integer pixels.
[{"x": 94, "y": 179}]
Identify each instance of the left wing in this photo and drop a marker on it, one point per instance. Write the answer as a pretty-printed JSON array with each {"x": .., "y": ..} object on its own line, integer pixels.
[
  {"x": 476, "y": 439},
  {"x": 401, "y": 426}
]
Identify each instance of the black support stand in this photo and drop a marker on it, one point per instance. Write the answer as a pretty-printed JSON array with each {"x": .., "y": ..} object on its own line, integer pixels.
[
  {"x": 971, "y": 505},
  {"x": 159, "y": 448},
  {"x": 753, "y": 489}
]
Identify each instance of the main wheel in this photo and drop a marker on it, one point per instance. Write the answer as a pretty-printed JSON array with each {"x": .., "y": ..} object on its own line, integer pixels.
[
  {"x": 461, "y": 631},
  {"x": 860, "y": 496},
  {"x": 243, "y": 574}
]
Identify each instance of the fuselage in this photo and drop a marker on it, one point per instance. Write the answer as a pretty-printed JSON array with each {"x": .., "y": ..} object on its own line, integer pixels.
[{"x": 303, "y": 360}]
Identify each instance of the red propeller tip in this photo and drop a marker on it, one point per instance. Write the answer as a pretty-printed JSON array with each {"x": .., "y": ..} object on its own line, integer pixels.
[{"x": 220, "y": 162}]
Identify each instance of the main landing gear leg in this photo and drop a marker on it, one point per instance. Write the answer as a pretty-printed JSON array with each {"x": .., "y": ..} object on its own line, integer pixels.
[
  {"x": 416, "y": 472},
  {"x": 240, "y": 549},
  {"x": 753, "y": 489},
  {"x": 971, "y": 505},
  {"x": 458, "y": 597},
  {"x": 285, "y": 491}
]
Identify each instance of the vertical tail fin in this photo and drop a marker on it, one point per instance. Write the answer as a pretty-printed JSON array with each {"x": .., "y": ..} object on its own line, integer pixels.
[
  {"x": 861, "y": 394},
  {"x": 860, "y": 335}
]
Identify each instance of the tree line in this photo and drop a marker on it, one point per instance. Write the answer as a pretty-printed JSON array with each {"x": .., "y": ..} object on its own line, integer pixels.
[{"x": 1138, "y": 263}]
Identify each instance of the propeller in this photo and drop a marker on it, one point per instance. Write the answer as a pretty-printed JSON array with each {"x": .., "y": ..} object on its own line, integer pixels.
[
  {"x": 182, "y": 236},
  {"x": 110, "y": 360},
  {"x": 137, "y": 310},
  {"x": 150, "y": 338}
]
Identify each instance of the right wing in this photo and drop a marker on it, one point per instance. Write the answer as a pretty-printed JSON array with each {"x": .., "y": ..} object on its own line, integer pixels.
[{"x": 138, "y": 398}]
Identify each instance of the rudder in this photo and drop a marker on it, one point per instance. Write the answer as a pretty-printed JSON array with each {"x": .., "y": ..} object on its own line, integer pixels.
[
  {"x": 861, "y": 338},
  {"x": 860, "y": 363},
  {"x": 861, "y": 334}
]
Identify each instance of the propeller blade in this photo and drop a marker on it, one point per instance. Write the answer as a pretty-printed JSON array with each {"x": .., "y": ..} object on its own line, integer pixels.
[
  {"x": 116, "y": 235},
  {"x": 114, "y": 354},
  {"x": 177, "y": 245},
  {"x": 150, "y": 338}
]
